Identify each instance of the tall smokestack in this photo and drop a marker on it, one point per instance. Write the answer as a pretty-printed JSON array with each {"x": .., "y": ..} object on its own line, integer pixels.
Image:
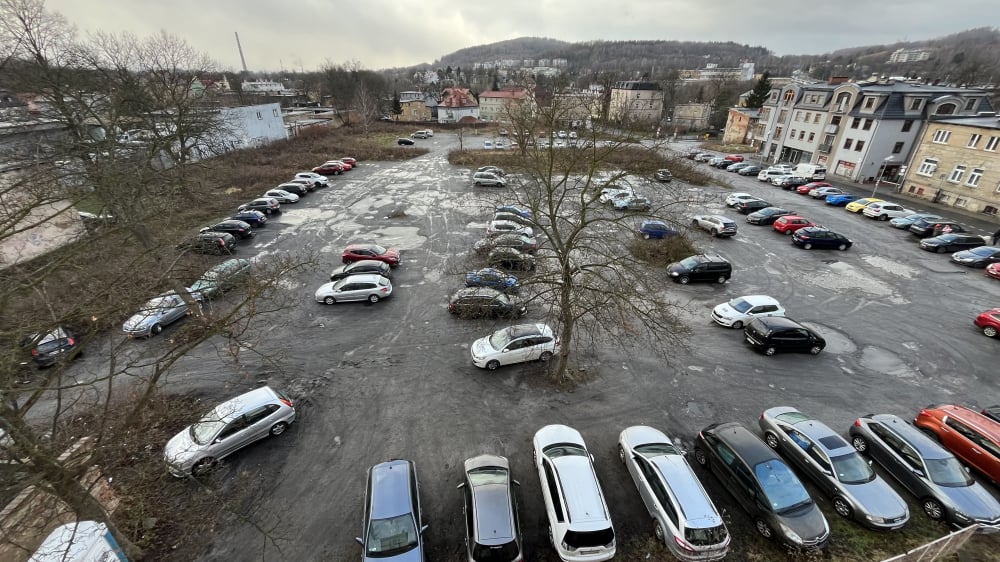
[{"x": 240, "y": 47}]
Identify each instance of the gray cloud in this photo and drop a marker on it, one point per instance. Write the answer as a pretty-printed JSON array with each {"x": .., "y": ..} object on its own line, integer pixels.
[{"x": 393, "y": 33}]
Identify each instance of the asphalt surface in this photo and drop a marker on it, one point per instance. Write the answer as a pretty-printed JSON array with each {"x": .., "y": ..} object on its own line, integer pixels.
[{"x": 394, "y": 379}]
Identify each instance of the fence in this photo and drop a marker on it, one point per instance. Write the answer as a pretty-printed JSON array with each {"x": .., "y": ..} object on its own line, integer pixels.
[{"x": 935, "y": 550}]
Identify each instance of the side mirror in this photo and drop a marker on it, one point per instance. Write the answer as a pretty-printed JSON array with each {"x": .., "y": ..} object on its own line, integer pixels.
[
  {"x": 361, "y": 542},
  {"x": 967, "y": 469},
  {"x": 460, "y": 486},
  {"x": 424, "y": 528},
  {"x": 591, "y": 457},
  {"x": 516, "y": 482}
]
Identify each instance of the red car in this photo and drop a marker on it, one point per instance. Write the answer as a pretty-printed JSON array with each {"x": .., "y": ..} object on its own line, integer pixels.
[
  {"x": 328, "y": 169},
  {"x": 989, "y": 321},
  {"x": 342, "y": 163},
  {"x": 805, "y": 189},
  {"x": 973, "y": 437},
  {"x": 358, "y": 252},
  {"x": 993, "y": 270},
  {"x": 790, "y": 223},
  {"x": 734, "y": 158},
  {"x": 348, "y": 160}
]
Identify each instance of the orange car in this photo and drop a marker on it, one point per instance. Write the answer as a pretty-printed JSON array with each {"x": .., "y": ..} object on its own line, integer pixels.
[{"x": 973, "y": 437}]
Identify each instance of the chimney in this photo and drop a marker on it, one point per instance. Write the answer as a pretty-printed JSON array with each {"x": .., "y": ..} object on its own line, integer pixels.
[{"x": 838, "y": 79}]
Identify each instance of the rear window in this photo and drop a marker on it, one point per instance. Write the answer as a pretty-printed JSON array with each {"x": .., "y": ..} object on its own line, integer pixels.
[
  {"x": 495, "y": 553},
  {"x": 706, "y": 537},
  {"x": 585, "y": 539}
]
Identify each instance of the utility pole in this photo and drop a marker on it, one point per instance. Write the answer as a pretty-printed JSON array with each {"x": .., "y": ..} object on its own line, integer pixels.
[{"x": 240, "y": 48}]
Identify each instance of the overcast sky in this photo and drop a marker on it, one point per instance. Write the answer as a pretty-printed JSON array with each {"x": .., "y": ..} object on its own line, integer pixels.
[{"x": 303, "y": 34}]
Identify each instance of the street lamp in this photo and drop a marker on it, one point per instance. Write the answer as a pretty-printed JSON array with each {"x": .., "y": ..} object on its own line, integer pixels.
[{"x": 881, "y": 171}]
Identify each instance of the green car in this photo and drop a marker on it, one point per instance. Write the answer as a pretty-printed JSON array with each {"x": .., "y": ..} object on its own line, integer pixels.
[{"x": 219, "y": 279}]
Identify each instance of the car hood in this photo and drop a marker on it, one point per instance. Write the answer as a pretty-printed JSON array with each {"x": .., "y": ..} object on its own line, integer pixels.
[
  {"x": 482, "y": 347},
  {"x": 807, "y": 522},
  {"x": 141, "y": 320},
  {"x": 413, "y": 555},
  {"x": 726, "y": 311},
  {"x": 974, "y": 501},
  {"x": 181, "y": 448},
  {"x": 966, "y": 255},
  {"x": 878, "y": 498}
]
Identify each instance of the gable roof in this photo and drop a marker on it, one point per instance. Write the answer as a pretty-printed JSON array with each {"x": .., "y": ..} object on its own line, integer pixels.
[{"x": 457, "y": 97}]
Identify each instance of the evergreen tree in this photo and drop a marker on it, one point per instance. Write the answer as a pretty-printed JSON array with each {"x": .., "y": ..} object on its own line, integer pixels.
[
  {"x": 760, "y": 92},
  {"x": 397, "y": 108}
]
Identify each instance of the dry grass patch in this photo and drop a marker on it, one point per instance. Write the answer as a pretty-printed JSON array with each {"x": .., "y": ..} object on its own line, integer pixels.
[{"x": 662, "y": 252}]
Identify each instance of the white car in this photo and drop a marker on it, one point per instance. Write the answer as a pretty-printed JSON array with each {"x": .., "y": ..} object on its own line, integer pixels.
[
  {"x": 498, "y": 227},
  {"x": 487, "y": 145},
  {"x": 885, "y": 210},
  {"x": 316, "y": 179},
  {"x": 741, "y": 310},
  {"x": 683, "y": 514},
  {"x": 733, "y": 198},
  {"x": 572, "y": 134},
  {"x": 282, "y": 196},
  {"x": 776, "y": 180},
  {"x": 515, "y": 344},
  {"x": 824, "y": 192},
  {"x": 610, "y": 193},
  {"x": 370, "y": 287},
  {"x": 766, "y": 175},
  {"x": 488, "y": 178}
]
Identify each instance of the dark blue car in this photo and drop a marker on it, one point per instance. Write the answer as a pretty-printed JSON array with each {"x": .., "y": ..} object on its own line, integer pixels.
[
  {"x": 840, "y": 200},
  {"x": 656, "y": 230},
  {"x": 494, "y": 279},
  {"x": 521, "y": 211},
  {"x": 256, "y": 219},
  {"x": 816, "y": 237}
]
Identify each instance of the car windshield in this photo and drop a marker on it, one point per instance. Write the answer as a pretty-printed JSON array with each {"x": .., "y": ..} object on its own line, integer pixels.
[
  {"x": 852, "y": 469},
  {"x": 783, "y": 490},
  {"x": 500, "y": 339},
  {"x": 947, "y": 472},
  {"x": 651, "y": 450},
  {"x": 947, "y": 237},
  {"x": 206, "y": 429},
  {"x": 564, "y": 450},
  {"x": 378, "y": 249},
  {"x": 984, "y": 251},
  {"x": 740, "y": 305},
  {"x": 689, "y": 262},
  {"x": 391, "y": 536}
]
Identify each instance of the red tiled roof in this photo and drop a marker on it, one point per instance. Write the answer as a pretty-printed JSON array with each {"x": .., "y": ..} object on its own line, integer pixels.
[
  {"x": 505, "y": 94},
  {"x": 457, "y": 97}
]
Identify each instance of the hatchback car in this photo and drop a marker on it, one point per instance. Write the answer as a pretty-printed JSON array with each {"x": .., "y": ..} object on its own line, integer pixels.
[
  {"x": 580, "y": 526},
  {"x": 358, "y": 252},
  {"x": 977, "y": 257},
  {"x": 497, "y": 227},
  {"x": 154, "y": 315},
  {"x": 656, "y": 230},
  {"x": 361, "y": 267},
  {"x": 818, "y": 237},
  {"x": 683, "y": 514},
  {"x": 475, "y": 302},
  {"x": 515, "y": 344},
  {"x": 512, "y": 217},
  {"x": 989, "y": 322},
  {"x": 751, "y": 206},
  {"x": 369, "y": 287},
  {"x": 404, "y": 141},
  {"x": 775, "y": 334},
  {"x": 701, "y": 267},
  {"x": 934, "y": 476},
  {"x": 48, "y": 347},
  {"x": 858, "y": 205},
  {"x": 299, "y": 189},
  {"x": 855, "y": 490},
  {"x": 282, "y": 196},
  {"x": 763, "y": 484},
  {"x": 841, "y": 199},
  {"x": 318, "y": 180},
  {"x": 520, "y": 242},
  {"x": 265, "y": 205},
  {"x": 494, "y": 279},
  {"x": 733, "y": 198},
  {"x": 238, "y": 229},
  {"x": 740, "y": 310},
  {"x": 885, "y": 210},
  {"x": 790, "y": 223},
  {"x": 492, "y": 527},
  {"x": 904, "y": 223},
  {"x": 329, "y": 169},
  {"x": 751, "y": 170},
  {"x": 767, "y": 215},
  {"x": 952, "y": 242},
  {"x": 488, "y": 179},
  {"x": 824, "y": 192},
  {"x": 632, "y": 203},
  {"x": 210, "y": 242},
  {"x": 220, "y": 278},
  {"x": 256, "y": 219},
  {"x": 229, "y": 427},
  {"x": 392, "y": 527},
  {"x": 807, "y": 188},
  {"x": 790, "y": 183},
  {"x": 737, "y": 166},
  {"x": 510, "y": 258},
  {"x": 927, "y": 227},
  {"x": 973, "y": 437}
]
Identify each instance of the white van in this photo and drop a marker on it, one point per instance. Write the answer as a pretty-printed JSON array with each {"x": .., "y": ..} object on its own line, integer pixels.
[{"x": 813, "y": 172}]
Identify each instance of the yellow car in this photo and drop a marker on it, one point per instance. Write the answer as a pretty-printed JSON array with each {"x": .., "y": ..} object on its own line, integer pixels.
[{"x": 859, "y": 205}]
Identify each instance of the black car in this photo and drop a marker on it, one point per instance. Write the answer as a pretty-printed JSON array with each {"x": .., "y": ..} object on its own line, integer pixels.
[
  {"x": 762, "y": 484},
  {"x": 750, "y": 206},
  {"x": 404, "y": 141},
  {"x": 925, "y": 228},
  {"x": 510, "y": 258},
  {"x": 361, "y": 266},
  {"x": 265, "y": 205},
  {"x": 254, "y": 218},
  {"x": 49, "y": 347},
  {"x": 774, "y": 334},
  {"x": 952, "y": 242},
  {"x": 749, "y": 171},
  {"x": 474, "y": 302},
  {"x": 239, "y": 229},
  {"x": 794, "y": 182},
  {"x": 701, "y": 267},
  {"x": 297, "y": 188},
  {"x": 817, "y": 237},
  {"x": 977, "y": 257},
  {"x": 767, "y": 215},
  {"x": 209, "y": 242}
]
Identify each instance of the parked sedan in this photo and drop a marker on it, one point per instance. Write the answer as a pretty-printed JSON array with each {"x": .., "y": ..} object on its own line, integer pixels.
[
  {"x": 632, "y": 203},
  {"x": 788, "y": 224},
  {"x": 494, "y": 279},
  {"x": 824, "y": 192},
  {"x": 392, "y": 529},
  {"x": 858, "y": 205},
  {"x": 154, "y": 315},
  {"x": 317, "y": 180},
  {"x": 524, "y": 213},
  {"x": 498, "y": 227},
  {"x": 855, "y": 490},
  {"x": 220, "y": 278},
  {"x": 737, "y": 166},
  {"x": 934, "y": 476},
  {"x": 952, "y": 242},
  {"x": 526, "y": 244},
  {"x": 229, "y": 427},
  {"x": 256, "y": 219},
  {"x": 977, "y": 257},
  {"x": 656, "y": 230},
  {"x": 238, "y": 229},
  {"x": 515, "y": 344},
  {"x": 300, "y": 189},
  {"x": 48, "y": 347},
  {"x": 358, "y": 252},
  {"x": 989, "y": 322},
  {"x": 791, "y": 182},
  {"x": 840, "y": 199},
  {"x": 818, "y": 237},
  {"x": 904, "y": 223},
  {"x": 767, "y": 215},
  {"x": 360, "y": 267},
  {"x": 475, "y": 302},
  {"x": 370, "y": 287},
  {"x": 750, "y": 170}
]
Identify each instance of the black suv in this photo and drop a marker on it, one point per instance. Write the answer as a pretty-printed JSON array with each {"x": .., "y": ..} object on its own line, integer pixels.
[
  {"x": 771, "y": 334},
  {"x": 751, "y": 206},
  {"x": 925, "y": 228},
  {"x": 237, "y": 228},
  {"x": 471, "y": 302},
  {"x": 701, "y": 267},
  {"x": 763, "y": 484},
  {"x": 210, "y": 242}
]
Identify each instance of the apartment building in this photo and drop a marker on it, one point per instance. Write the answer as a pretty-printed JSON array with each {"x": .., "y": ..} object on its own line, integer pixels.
[
  {"x": 498, "y": 106},
  {"x": 636, "y": 101}
]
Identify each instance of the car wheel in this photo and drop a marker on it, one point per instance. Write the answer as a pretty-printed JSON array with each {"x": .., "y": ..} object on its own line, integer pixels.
[
  {"x": 883, "y": 217},
  {"x": 932, "y": 508},
  {"x": 715, "y": 232},
  {"x": 737, "y": 325},
  {"x": 645, "y": 236},
  {"x": 156, "y": 329},
  {"x": 842, "y": 247},
  {"x": 699, "y": 457},
  {"x": 203, "y": 466},
  {"x": 658, "y": 531},
  {"x": 694, "y": 223},
  {"x": 329, "y": 300},
  {"x": 787, "y": 232},
  {"x": 545, "y": 356},
  {"x": 721, "y": 280},
  {"x": 493, "y": 365},
  {"x": 941, "y": 249},
  {"x": 771, "y": 439},
  {"x": 807, "y": 246},
  {"x": 860, "y": 444},
  {"x": 764, "y": 529},
  {"x": 621, "y": 454},
  {"x": 477, "y": 184},
  {"x": 684, "y": 279},
  {"x": 373, "y": 299},
  {"x": 278, "y": 428},
  {"x": 843, "y": 508},
  {"x": 770, "y": 351},
  {"x": 815, "y": 349},
  {"x": 990, "y": 331}
]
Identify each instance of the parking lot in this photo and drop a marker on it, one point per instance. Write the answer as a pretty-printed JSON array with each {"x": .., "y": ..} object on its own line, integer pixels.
[{"x": 394, "y": 379}]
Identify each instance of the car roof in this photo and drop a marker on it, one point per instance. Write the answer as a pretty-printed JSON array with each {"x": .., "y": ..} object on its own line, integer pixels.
[
  {"x": 359, "y": 246},
  {"x": 365, "y": 263},
  {"x": 494, "y": 522},
  {"x": 235, "y": 407},
  {"x": 757, "y": 300},
  {"x": 521, "y": 330},
  {"x": 478, "y": 292},
  {"x": 694, "y": 502},
  {"x": 361, "y": 277},
  {"x": 743, "y": 442},
  {"x": 584, "y": 504},
  {"x": 924, "y": 445},
  {"x": 390, "y": 488},
  {"x": 828, "y": 439},
  {"x": 777, "y": 322},
  {"x": 984, "y": 424}
]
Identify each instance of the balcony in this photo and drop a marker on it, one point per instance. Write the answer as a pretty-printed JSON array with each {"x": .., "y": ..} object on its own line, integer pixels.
[
  {"x": 824, "y": 148},
  {"x": 831, "y": 129}
]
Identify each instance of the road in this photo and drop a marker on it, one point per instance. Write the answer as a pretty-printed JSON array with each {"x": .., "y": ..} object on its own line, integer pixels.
[{"x": 394, "y": 380}]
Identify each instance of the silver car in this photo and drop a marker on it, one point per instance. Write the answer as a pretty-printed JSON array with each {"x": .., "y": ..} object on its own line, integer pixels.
[
  {"x": 941, "y": 484},
  {"x": 220, "y": 278},
  {"x": 392, "y": 529},
  {"x": 492, "y": 529},
  {"x": 684, "y": 517},
  {"x": 155, "y": 314},
  {"x": 371, "y": 287},
  {"x": 229, "y": 427},
  {"x": 856, "y": 491}
]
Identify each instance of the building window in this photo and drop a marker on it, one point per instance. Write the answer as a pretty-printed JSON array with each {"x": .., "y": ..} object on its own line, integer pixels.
[
  {"x": 907, "y": 125},
  {"x": 792, "y": 135},
  {"x": 274, "y": 112},
  {"x": 808, "y": 116},
  {"x": 802, "y": 135},
  {"x": 990, "y": 210},
  {"x": 974, "y": 177},
  {"x": 941, "y": 136},
  {"x": 869, "y": 102},
  {"x": 859, "y": 146},
  {"x": 868, "y": 125},
  {"x": 916, "y": 104},
  {"x": 970, "y": 105},
  {"x": 789, "y": 95},
  {"x": 774, "y": 97},
  {"x": 835, "y": 120},
  {"x": 848, "y": 143},
  {"x": 854, "y": 122},
  {"x": 783, "y": 116},
  {"x": 957, "y": 173},
  {"x": 897, "y": 148},
  {"x": 798, "y": 116},
  {"x": 816, "y": 118},
  {"x": 928, "y": 167},
  {"x": 260, "y": 115},
  {"x": 944, "y": 197},
  {"x": 812, "y": 136},
  {"x": 946, "y": 109},
  {"x": 991, "y": 144},
  {"x": 961, "y": 202},
  {"x": 973, "y": 141}
]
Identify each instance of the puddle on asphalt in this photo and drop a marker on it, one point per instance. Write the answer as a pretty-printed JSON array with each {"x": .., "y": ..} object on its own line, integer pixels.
[
  {"x": 886, "y": 362},
  {"x": 836, "y": 342},
  {"x": 844, "y": 277},
  {"x": 399, "y": 237},
  {"x": 891, "y": 266}
]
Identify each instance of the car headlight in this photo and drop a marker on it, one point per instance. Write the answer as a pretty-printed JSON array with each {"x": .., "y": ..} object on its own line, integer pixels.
[
  {"x": 962, "y": 517},
  {"x": 790, "y": 534},
  {"x": 674, "y": 274},
  {"x": 875, "y": 519}
]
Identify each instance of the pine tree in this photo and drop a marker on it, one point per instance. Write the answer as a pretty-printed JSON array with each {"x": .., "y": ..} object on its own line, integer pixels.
[
  {"x": 397, "y": 108},
  {"x": 760, "y": 92}
]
